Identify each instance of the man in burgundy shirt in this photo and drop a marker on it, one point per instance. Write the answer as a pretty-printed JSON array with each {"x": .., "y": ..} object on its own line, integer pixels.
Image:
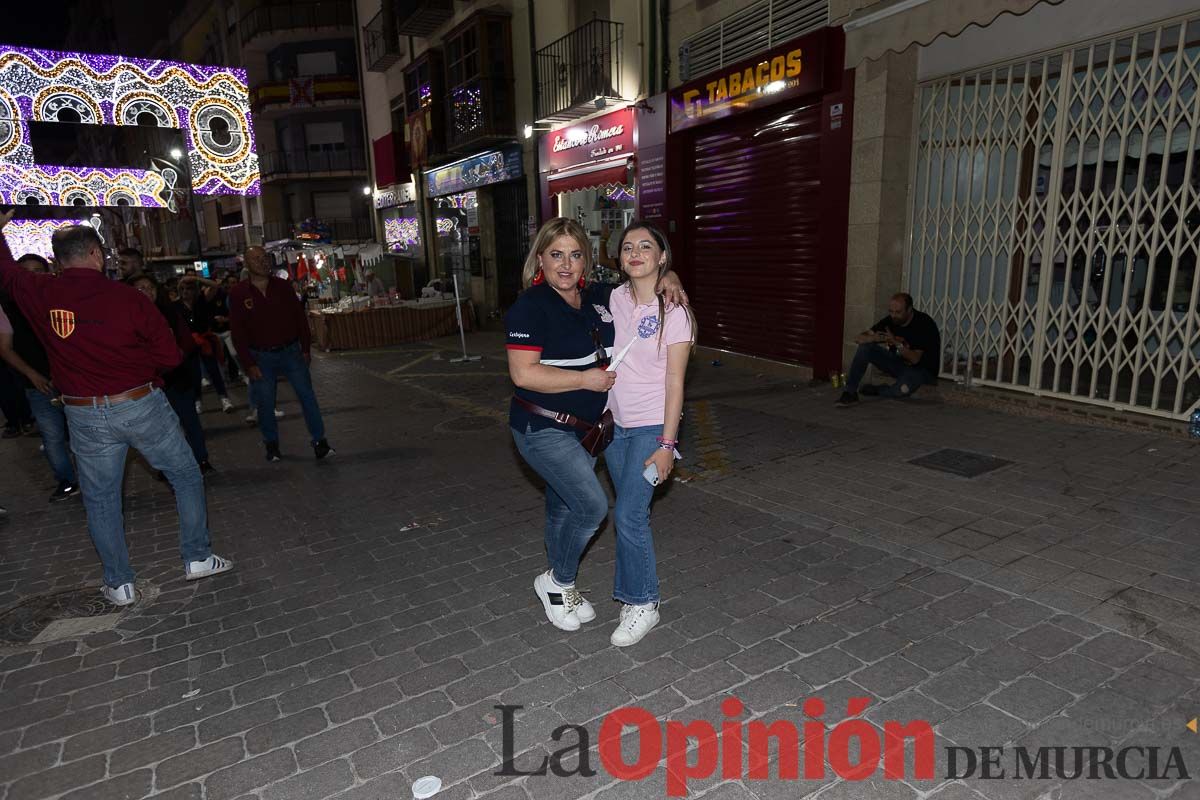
[
  {"x": 271, "y": 335},
  {"x": 108, "y": 346}
]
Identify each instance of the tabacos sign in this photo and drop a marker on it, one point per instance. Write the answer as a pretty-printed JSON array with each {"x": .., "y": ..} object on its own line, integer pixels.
[
  {"x": 789, "y": 70},
  {"x": 599, "y": 138}
]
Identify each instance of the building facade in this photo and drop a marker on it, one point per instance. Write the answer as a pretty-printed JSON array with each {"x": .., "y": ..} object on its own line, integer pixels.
[
  {"x": 1027, "y": 170},
  {"x": 305, "y": 94}
]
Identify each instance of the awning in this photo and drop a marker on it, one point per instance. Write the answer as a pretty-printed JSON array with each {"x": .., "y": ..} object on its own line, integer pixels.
[
  {"x": 902, "y": 23},
  {"x": 590, "y": 176}
]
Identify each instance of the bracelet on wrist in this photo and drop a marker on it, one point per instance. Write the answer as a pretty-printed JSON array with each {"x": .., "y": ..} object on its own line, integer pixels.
[{"x": 664, "y": 440}]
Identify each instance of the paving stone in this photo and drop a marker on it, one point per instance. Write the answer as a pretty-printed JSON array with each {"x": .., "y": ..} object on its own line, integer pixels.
[
  {"x": 362, "y": 703},
  {"x": 249, "y": 774},
  {"x": 65, "y": 725},
  {"x": 109, "y": 737},
  {"x": 1074, "y": 673},
  {"x": 129, "y": 786},
  {"x": 873, "y": 645},
  {"x": 285, "y": 730},
  {"x": 57, "y": 780},
  {"x": 825, "y": 667},
  {"x": 980, "y": 633},
  {"x": 315, "y": 693},
  {"x": 315, "y": 784},
  {"x": 763, "y": 657},
  {"x": 813, "y": 636},
  {"x": 937, "y": 653},
  {"x": 1114, "y": 649},
  {"x": 1004, "y": 662},
  {"x": 1046, "y": 640},
  {"x": 36, "y": 759},
  {"x": 889, "y": 677},
  {"x": 1030, "y": 699},
  {"x": 199, "y": 761},
  {"x": 152, "y": 750},
  {"x": 708, "y": 681},
  {"x": 236, "y": 721},
  {"x": 334, "y": 743},
  {"x": 981, "y": 724},
  {"x": 960, "y": 687}
]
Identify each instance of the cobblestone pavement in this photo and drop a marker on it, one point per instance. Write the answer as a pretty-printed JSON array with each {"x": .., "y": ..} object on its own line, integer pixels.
[{"x": 381, "y": 605}]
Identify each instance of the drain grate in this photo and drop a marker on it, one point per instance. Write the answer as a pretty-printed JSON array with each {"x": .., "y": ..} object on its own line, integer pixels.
[
  {"x": 25, "y": 622},
  {"x": 960, "y": 462}
]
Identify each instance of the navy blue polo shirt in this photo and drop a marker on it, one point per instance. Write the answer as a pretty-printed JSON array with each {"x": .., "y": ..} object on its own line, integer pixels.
[{"x": 543, "y": 322}]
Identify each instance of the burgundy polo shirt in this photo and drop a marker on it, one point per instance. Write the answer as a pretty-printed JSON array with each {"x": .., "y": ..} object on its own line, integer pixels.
[
  {"x": 102, "y": 336},
  {"x": 266, "y": 321}
]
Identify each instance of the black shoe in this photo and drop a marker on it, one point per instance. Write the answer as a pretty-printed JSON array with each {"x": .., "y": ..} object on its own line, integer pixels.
[
  {"x": 323, "y": 450},
  {"x": 10, "y": 433},
  {"x": 30, "y": 429},
  {"x": 64, "y": 491},
  {"x": 847, "y": 399},
  {"x": 206, "y": 467},
  {"x": 273, "y": 453},
  {"x": 870, "y": 390}
]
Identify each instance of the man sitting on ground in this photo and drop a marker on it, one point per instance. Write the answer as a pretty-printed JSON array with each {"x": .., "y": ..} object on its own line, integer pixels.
[{"x": 906, "y": 345}]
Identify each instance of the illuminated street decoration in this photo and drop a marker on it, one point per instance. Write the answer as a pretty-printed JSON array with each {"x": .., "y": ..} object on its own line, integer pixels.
[
  {"x": 402, "y": 233},
  {"x": 210, "y": 105},
  {"x": 33, "y": 235}
]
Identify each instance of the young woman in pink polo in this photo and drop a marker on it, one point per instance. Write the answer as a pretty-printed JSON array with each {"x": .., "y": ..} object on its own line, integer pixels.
[{"x": 647, "y": 405}]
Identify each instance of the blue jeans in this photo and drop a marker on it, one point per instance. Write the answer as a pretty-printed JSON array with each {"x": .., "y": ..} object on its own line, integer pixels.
[
  {"x": 909, "y": 378},
  {"x": 183, "y": 403},
  {"x": 101, "y": 435},
  {"x": 52, "y": 424},
  {"x": 288, "y": 362},
  {"x": 575, "y": 500},
  {"x": 636, "y": 581}
]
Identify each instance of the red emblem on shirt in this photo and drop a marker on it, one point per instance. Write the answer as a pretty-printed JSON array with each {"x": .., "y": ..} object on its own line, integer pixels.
[
  {"x": 249, "y": 301},
  {"x": 62, "y": 322}
]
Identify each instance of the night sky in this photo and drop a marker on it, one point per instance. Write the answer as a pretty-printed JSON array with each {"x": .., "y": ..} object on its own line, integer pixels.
[{"x": 54, "y": 23}]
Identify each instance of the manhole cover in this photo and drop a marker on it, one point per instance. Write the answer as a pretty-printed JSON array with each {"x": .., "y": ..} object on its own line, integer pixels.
[
  {"x": 960, "y": 462},
  {"x": 75, "y": 612},
  {"x": 467, "y": 424}
]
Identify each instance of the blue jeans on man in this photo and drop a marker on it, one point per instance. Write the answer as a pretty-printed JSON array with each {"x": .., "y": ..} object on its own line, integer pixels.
[
  {"x": 101, "y": 436},
  {"x": 288, "y": 362},
  {"x": 575, "y": 501},
  {"x": 636, "y": 581},
  {"x": 52, "y": 424},
  {"x": 909, "y": 377},
  {"x": 183, "y": 403}
]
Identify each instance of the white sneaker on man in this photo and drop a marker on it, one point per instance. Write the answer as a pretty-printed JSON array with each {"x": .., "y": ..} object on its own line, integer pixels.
[
  {"x": 123, "y": 595},
  {"x": 213, "y": 565},
  {"x": 199, "y": 407},
  {"x": 226, "y": 406},
  {"x": 252, "y": 417},
  {"x": 636, "y": 622},
  {"x": 205, "y": 383},
  {"x": 551, "y": 594}
]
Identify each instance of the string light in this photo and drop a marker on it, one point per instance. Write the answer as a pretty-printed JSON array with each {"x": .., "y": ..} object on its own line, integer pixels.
[
  {"x": 211, "y": 105},
  {"x": 33, "y": 235}
]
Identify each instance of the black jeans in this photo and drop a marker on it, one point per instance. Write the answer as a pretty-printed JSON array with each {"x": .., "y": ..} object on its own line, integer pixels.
[
  {"x": 13, "y": 402},
  {"x": 909, "y": 377}
]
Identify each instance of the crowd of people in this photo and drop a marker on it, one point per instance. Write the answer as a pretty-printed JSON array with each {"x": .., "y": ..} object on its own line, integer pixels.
[{"x": 104, "y": 366}]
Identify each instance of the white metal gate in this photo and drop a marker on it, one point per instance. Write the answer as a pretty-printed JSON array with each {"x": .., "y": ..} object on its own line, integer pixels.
[{"x": 1056, "y": 221}]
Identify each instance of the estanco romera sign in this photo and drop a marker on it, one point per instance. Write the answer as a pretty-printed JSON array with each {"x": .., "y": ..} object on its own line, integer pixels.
[
  {"x": 789, "y": 70},
  {"x": 596, "y": 139}
]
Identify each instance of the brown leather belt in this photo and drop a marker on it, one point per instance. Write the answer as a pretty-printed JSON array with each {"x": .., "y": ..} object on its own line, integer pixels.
[
  {"x": 110, "y": 399},
  {"x": 561, "y": 417}
]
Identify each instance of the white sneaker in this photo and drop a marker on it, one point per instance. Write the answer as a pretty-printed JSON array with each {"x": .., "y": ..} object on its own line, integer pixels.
[
  {"x": 123, "y": 595},
  {"x": 226, "y": 406},
  {"x": 199, "y": 407},
  {"x": 195, "y": 570},
  {"x": 205, "y": 383},
  {"x": 252, "y": 417},
  {"x": 636, "y": 622},
  {"x": 558, "y": 612},
  {"x": 577, "y": 603},
  {"x": 278, "y": 414}
]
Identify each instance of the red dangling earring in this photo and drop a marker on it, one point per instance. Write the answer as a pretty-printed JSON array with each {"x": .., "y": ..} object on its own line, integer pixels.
[
  {"x": 539, "y": 279},
  {"x": 582, "y": 282}
]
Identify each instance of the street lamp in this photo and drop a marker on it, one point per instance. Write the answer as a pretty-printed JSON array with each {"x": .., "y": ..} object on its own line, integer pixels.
[
  {"x": 366, "y": 190},
  {"x": 176, "y": 153}
]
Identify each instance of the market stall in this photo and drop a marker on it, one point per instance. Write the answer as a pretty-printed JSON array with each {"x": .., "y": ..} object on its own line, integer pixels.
[{"x": 347, "y": 327}]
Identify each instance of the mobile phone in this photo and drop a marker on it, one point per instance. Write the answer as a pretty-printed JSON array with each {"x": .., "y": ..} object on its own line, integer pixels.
[{"x": 651, "y": 475}]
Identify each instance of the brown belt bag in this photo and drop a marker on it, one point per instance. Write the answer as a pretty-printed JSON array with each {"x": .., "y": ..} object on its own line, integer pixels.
[{"x": 597, "y": 435}]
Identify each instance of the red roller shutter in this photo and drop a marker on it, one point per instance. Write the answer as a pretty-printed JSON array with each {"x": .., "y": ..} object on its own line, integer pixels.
[{"x": 756, "y": 234}]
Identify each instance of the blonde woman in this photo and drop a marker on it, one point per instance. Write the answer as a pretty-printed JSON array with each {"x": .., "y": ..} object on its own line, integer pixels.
[
  {"x": 647, "y": 404},
  {"x": 560, "y": 339}
]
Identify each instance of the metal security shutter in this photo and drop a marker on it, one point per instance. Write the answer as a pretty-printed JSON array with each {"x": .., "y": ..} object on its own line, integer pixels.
[
  {"x": 751, "y": 30},
  {"x": 756, "y": 235}
]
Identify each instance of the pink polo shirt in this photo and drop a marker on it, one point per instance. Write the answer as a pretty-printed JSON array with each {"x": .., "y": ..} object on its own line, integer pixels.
[{"x": 639, "y": 396}]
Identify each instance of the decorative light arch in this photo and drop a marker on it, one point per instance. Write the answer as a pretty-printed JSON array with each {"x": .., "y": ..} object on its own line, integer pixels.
[{"x": 211, "y": 105}]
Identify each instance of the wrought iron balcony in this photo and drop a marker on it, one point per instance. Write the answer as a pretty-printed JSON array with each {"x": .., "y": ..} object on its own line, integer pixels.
[
  {"x": 422, "y": 17},
  {"x": 382, "y": 48},
  {"x": 288, "y": 16},
  {"x": 302, "y": 163},
  {"x": 579, "y": 70}
]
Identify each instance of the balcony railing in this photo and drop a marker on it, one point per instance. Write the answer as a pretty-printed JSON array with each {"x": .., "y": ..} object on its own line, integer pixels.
[
  {"x": 282, "y": 163},
  {"x": 301, "y": 92},
  {"x": 341, "y": 230},
  {"x": 291, "y": 16},
  {"x": 478, "y": 110},
  {"x": 578, "y": 69},
  {"x": 382, "y": 48}
]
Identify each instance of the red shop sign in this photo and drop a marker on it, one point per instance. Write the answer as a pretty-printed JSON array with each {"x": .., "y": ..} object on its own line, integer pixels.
[
  {"x": 596, "y": 139},
  {"x": 790, "y": 70}
]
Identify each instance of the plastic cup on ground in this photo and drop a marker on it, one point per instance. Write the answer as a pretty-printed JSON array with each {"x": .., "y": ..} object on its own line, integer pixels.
[{"x": 426, "y": 787}]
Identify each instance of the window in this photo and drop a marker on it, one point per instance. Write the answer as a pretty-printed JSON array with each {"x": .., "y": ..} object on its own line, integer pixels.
[
  {"x": 309, "y": 64},
  {"x": 324, "y": 137}
]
